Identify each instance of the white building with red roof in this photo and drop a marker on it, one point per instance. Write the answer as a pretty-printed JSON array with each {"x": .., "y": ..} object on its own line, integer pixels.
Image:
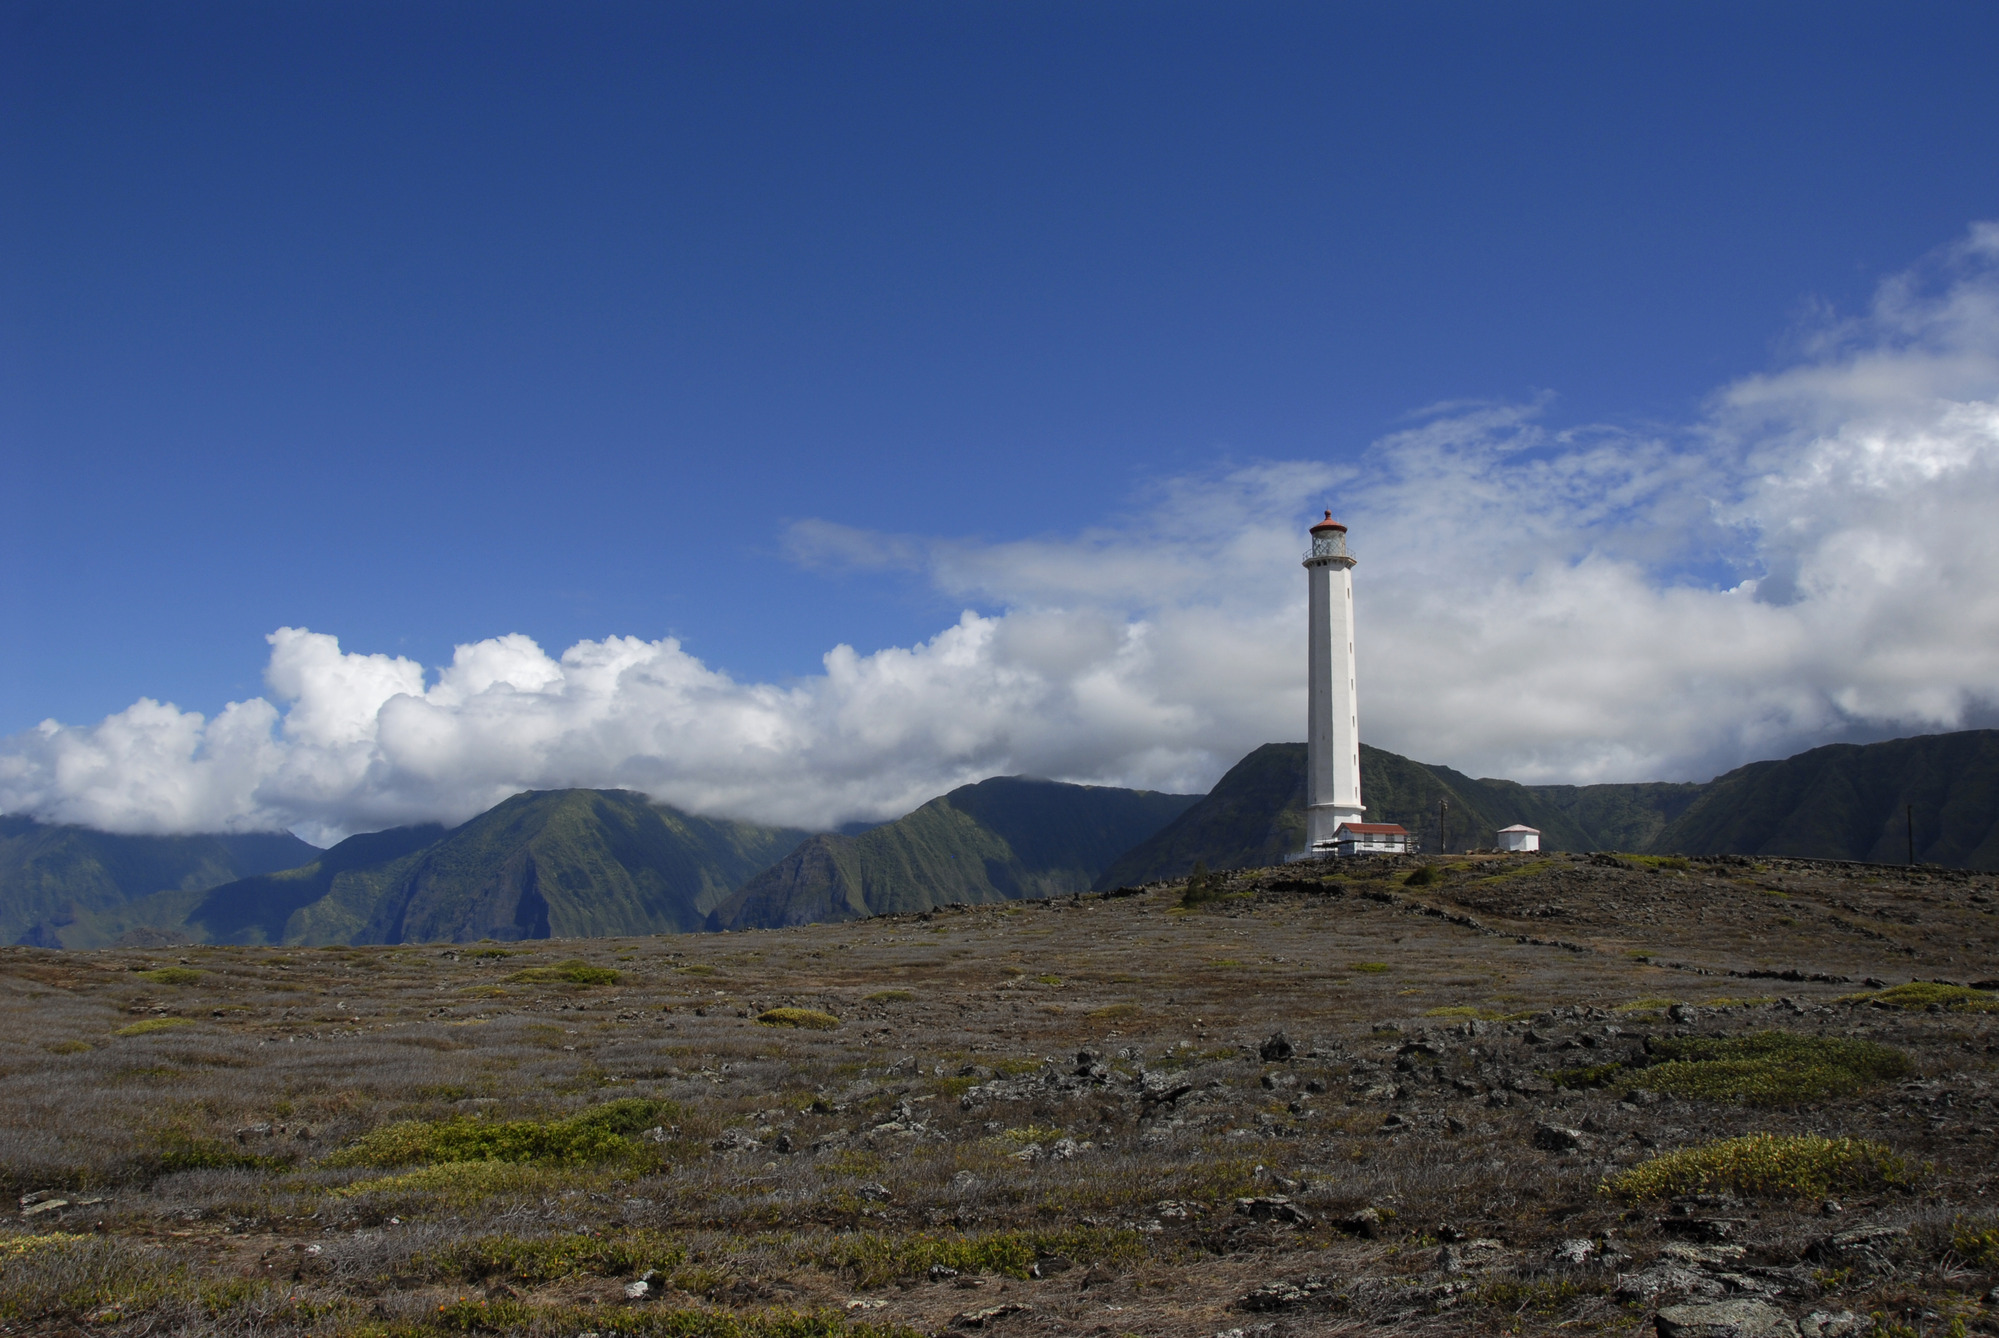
[{"x": 1371, "y": 838}]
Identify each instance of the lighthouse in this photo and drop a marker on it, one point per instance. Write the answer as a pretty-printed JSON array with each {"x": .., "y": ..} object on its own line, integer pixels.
[{"x": 1332, "y": 737}]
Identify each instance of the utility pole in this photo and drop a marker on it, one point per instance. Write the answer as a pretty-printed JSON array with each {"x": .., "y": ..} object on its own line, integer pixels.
[
  {"x": 1443, "y": 842},
  {"x": 1909, "y": 813}
]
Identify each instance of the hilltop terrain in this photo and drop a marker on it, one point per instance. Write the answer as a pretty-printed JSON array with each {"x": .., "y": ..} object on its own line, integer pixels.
[{"x": 1501, "y": 1095}]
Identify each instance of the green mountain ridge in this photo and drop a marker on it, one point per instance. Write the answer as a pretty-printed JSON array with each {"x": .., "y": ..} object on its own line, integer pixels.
[
  {"x": 1004, "y": 839},
  {"x": 67, "y": 886},
  {"x": 585, "y": 863},
  {"x": 1841, "y": 801}
]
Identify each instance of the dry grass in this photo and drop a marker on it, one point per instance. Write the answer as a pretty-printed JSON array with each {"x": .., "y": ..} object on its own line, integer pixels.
[{"x": 1073, "y": 1089}]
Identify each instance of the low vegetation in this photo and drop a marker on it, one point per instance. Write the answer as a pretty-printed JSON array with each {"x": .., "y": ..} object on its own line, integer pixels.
[
  {"x": 1790, "y": 1166},
  {"x": 1202, "y": 886},
  {"x": 1767, "y": 1068},
  {"x": 876, "y": 1260},
  {"x": 151, "y": 1025},
  {"x": 1923, "y": 994},
  {"x": 1770, "y": 1068},
  {"x": 809, "y": 1018},
  {"x": 172, "y": 975},
  {"x": 601, "y": 1133},
  {"x": 1082, "y": 1106},
  {"x": 574, "y": 971}
]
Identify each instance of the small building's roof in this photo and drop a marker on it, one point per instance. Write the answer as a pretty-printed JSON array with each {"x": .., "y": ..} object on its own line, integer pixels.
[
  {"x": 1374, "y": 828},
  {"x": 1328, "y": 524},
  {"x": 1517, "y": 827}
]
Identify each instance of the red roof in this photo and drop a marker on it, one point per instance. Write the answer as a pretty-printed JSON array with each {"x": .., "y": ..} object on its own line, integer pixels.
[
  {"x": 1328, "y": 524},
  {"x": 1374, "y": 828}
]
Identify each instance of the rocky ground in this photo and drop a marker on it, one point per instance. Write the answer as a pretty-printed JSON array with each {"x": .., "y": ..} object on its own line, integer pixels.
[{"x": 1329, "y": 1100}]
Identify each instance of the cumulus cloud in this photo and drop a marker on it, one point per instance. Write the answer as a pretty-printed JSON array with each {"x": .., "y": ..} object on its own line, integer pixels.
[{"x": 1808, "y": 561}]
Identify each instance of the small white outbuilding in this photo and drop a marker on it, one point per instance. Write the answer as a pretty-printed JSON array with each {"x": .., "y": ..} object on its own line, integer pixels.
[{"x": 1518, "y": 837}]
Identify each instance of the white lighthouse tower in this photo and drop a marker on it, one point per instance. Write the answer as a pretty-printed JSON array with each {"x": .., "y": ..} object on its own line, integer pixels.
[{"x": 1332, "y": 746}]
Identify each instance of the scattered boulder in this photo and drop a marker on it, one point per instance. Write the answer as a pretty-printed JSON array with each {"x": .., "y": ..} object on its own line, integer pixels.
[
  {"x": 1666, "y": 1280},
  {"x": 1725, "y": 1319},
  {"x": 1048, "y": 1264},
  {"x": 636, "y": 1291},
  {"x": 1273, "y": 1208},
  {"x": 1844, "y": 1324},
  {"x": 1366, "y": 1223},
  {"x": 1277, "y": 1048},
  {"x": 1557, "y": 1138},
  {"x": 1865, "y": 1248},
  {"x": 1710, "y": 1229},
  {"x": 1573, "y": 1253},
  {"x": 1282, "y": 1295},
  {"x": 986, "y": 1318}
]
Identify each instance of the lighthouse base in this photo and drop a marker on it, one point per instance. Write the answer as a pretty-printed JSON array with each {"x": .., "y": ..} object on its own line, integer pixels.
[{"x": 1322, "y": 824}]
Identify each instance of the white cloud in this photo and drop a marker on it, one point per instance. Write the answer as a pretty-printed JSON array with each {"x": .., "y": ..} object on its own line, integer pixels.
[{"x": 1810, "y": 561}]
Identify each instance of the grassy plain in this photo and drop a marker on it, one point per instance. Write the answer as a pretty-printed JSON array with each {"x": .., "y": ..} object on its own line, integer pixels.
[{"x": 1527, "y": 1094}]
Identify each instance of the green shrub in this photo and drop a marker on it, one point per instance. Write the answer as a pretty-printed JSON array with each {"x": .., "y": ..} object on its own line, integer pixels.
[
  {"x": 459, "y": 1185},
  {"x": 877, "y": 1260},
  {"x": 151, "y": 1025},
  {"x": 601, "y": 1133},
  {"x": 173, "y": 975},
  {"x": 809, "y": 1018},
  {"x": 1770, "y": 1068},
  {"x": 1422, "y": 876},
  {"x": 1201, "y": 886},
  {"x": 1112, "y": 1012},
  {"x": 534, "y": 1260},
  {"x": 1793, "y": 1166},
  {"x": 466, "y": 1315},
  {"x": 1976, "y": 1242},
  {"x": 575, "y": 971},
  {"x": 1371, "y": 968},
  {"x": 176, "y": 1150},
  {"x": 891, "y": 996},
  {"x": 1593, "y": 1075},
  {"x": 1923, "y": 993}
]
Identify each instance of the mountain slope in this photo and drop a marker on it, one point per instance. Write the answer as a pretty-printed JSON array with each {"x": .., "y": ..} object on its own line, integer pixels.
[
  {"x": 1008, "y": 838},
  {"x": 1851, "y": 801},
  {"x": 63, "y": 886},
  {"x": 1255, "y": 815},
  {"x": 573, "y": 864},
  {"x": 258, "y": 910},
  {"x": 550, "y": 863},
  {"x": 1844, "y": 801}
]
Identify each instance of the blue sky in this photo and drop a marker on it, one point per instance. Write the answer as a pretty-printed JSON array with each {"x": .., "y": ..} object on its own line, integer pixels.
[{"x": 417, "y": 326}]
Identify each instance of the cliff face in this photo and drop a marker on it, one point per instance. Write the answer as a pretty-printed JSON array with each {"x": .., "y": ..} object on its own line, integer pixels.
[{"x": 1002, "y": 839}]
